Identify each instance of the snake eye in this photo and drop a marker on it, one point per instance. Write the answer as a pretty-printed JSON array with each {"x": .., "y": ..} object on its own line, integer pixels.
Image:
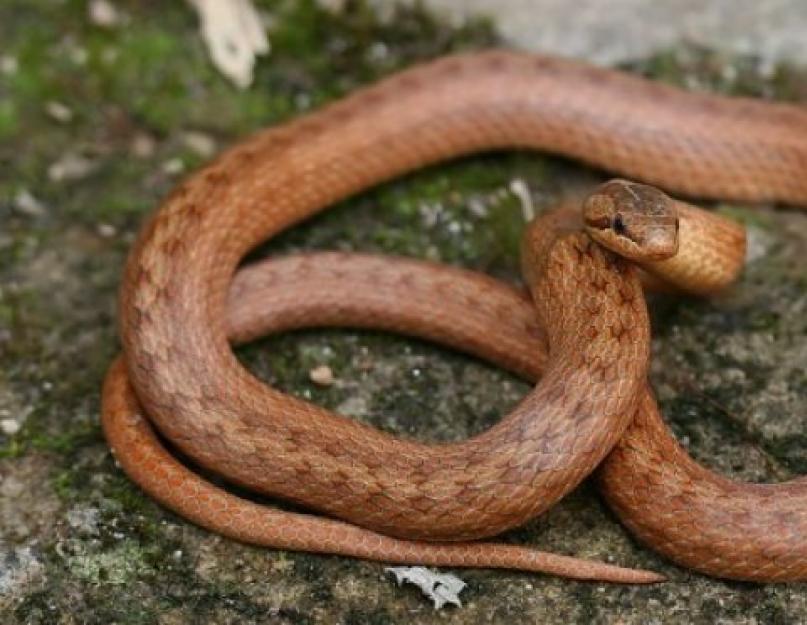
[{"x": 619, "y": 225}]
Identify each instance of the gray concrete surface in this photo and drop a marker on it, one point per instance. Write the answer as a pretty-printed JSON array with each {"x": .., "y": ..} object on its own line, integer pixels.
[{"x": 618, "y": 30}]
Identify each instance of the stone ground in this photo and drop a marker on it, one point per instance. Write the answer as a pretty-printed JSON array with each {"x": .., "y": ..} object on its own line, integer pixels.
[
  {"x": 624, "y": 30},
  {"x": 97, "y": 123}
]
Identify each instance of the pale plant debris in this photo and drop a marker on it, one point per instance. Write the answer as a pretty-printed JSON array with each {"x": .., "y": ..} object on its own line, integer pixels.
[
  {"x": 759, "y": 243},
  {"x": 199, "y": 143},
  {"x": 520, "y": 189},
  {"x": 103, "y": 13},
  {"x": 71, "y": 166},
  {"x": 59, "y": 111},
  {"x": 9, "y": 65},
  {"x": 441, "y": 588},
  {"x": 27, "y": 204},
  {"x": 9, "y": 427},
  {"x": 106, "y": 231},
  {"x": 321, "y": 375},
  {"x": 173, "y": 166},
  {"x": 234, "y": 35},
  {"x": 143, "y": 145}
]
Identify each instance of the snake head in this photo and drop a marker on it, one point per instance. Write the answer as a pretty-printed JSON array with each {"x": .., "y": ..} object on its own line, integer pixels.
[{"x": 636, "y": 221}]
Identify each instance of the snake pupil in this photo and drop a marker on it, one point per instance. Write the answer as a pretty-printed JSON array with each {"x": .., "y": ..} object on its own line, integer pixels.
[{"x": 619, "y": 225}]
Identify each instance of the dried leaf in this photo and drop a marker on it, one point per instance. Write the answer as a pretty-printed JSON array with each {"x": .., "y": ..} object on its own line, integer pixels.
[{"x": 441, "y": 588}]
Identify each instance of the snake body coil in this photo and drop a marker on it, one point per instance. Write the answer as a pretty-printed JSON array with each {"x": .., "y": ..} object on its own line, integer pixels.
[{"x": 173, "y": 307}]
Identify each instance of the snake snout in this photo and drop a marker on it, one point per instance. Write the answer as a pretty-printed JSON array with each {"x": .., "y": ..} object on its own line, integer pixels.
[{"x": 658, "y": 242}]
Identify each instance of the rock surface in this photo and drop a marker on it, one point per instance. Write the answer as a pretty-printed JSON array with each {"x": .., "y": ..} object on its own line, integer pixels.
[
  {"x": 80, "y": 544},
  {"x": 623, "y": 30}
]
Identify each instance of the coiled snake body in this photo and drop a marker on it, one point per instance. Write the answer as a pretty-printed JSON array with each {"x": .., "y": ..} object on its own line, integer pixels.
[{"x": 174, "y": 306}]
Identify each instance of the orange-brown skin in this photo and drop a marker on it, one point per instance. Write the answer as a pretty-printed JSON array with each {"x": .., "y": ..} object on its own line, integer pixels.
[
  {"x": 173, "y": 301},
  {"x": 695, "y": 517},
  {"x": 595, "y": 279},
  {"x": 591, "y": 305},
  {"x": 589, "y": 301},
  {"x": 180, "y": 363},
  {"x": 145, "y": 460}
]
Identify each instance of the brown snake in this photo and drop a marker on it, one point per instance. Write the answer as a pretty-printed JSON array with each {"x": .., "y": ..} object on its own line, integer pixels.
[{"x": 176, "y": 350}]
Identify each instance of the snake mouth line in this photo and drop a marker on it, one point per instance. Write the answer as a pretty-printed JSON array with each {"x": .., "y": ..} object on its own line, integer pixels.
[{"x": 601, "y": 223}]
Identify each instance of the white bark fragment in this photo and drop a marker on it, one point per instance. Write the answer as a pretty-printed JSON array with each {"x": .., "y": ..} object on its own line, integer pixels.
[{"x": 234, "y": 36}]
